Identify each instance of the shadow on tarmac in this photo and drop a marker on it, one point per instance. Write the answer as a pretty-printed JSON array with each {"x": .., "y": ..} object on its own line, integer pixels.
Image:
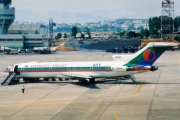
[{"x": 93, "y": 85}]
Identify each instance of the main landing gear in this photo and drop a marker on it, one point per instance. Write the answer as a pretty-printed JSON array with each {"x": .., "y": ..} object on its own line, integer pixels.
[
  {"x": 30, "y": 80},
  {"x": 132, "y": 78},
  {"x": 90, "y": 80}
]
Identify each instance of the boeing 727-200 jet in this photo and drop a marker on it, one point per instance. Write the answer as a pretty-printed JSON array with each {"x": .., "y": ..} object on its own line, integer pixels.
[{"x": 121, "y": 66}]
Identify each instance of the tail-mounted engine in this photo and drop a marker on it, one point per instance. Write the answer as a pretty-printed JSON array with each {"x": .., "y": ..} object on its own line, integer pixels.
[
  {"x": 153, "y": 68},
  {"x": 135, "y": 68}
]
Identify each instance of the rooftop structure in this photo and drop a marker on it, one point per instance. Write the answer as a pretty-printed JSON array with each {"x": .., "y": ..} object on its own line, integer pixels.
[
  {"x": 7, "y": 16},
  {"x": 20, "y": 35},
  {"x": 25, "y": 36}
]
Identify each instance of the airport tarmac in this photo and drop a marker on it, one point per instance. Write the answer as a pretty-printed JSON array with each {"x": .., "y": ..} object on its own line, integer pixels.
[{"x": 156, "y": 97}]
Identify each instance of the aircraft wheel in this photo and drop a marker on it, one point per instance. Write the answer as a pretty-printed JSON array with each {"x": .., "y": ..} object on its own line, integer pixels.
[
  {"x": 32, "y": 80},
  {"x": 37, "y": 79},
  {"x": 17, "y": 81},
  {"x": 92, "y": 80},
  {"x": 25, "y": 80},
  {"x": 53, "y": 79},
  {"x": 46, "y": 79},
  {"x": 66, "y": 79},
  {"x": 85, "y": 81}
]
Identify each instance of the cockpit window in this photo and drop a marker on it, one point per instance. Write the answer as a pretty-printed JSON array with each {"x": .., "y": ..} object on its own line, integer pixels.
[{"x": 9, "y": 68}]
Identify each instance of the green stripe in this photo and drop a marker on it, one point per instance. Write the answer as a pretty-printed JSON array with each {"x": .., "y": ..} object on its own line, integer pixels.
[{"x": 66, "y": 68}]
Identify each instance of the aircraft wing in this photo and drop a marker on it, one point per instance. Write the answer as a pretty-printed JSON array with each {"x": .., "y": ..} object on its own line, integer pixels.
[{"x": 76, "y": 75}]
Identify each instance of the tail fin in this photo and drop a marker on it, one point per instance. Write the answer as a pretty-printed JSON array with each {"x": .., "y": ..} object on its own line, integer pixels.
[{"x": 149, "y": 54}]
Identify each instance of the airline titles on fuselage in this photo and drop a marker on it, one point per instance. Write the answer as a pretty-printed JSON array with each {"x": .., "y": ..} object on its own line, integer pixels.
[
  {"x": 48, "y": 65},
  {"x": 58, "y": 65}
]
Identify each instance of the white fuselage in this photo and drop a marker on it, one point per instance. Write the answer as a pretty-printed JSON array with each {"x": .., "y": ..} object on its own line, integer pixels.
[
  {"x": 123, "y": 65},
  {"x": 73, "y": 70}
]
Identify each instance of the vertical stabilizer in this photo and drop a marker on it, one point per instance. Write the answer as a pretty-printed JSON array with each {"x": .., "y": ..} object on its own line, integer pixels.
[{"x": 149, "y": 54}]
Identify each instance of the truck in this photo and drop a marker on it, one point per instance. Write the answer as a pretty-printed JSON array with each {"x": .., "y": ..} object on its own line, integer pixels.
[
  {"x": 8, "y": 50},
  {"x": 41, "y": 50},
  {"x": 14, "y": 51}
]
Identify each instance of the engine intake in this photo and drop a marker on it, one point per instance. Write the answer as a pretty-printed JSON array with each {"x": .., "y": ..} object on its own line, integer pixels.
[{"x": 153, "y": 68}]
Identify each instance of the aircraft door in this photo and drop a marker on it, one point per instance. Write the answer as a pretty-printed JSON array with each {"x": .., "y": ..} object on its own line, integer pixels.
[{"x": 16, "y": 69}]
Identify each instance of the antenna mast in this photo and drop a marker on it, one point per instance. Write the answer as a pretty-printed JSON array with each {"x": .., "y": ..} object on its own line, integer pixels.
[
  {"x": 50, "y": 31},
  {"x": 167, "y": 19}
]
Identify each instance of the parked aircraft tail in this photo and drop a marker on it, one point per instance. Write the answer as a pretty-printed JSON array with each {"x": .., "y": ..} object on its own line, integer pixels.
[{"x": 149, "y": 54}]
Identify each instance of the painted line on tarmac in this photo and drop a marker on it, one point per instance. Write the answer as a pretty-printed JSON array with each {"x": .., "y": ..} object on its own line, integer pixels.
[
  {"x": 32, "y": 102},
  {"x": 100, "y": 110},
  {"x": 134, "y": 93},
  {"x": 54, "y": 103},
  {"x": 151, "y": 104},
  {"x": 177, "y": 63}
]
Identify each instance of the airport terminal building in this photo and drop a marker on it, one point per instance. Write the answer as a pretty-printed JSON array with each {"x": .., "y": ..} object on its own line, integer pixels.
[
  {"x": 25, "y": 36},
  {"x": 20, "y": 35}
]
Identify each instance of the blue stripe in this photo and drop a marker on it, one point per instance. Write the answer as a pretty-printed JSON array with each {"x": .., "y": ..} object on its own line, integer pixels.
[{"x": 146, "y": 63}]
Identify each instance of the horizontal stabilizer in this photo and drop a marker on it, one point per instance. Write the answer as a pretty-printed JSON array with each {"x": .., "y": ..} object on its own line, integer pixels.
[{"x": 162, "y": 44}]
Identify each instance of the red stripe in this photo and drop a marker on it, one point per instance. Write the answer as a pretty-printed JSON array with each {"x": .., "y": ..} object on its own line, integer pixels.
[{"x": 6, "y": 71}]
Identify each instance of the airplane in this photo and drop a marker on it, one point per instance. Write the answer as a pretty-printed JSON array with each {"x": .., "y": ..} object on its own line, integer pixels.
[{"x": 121, "y": 66}]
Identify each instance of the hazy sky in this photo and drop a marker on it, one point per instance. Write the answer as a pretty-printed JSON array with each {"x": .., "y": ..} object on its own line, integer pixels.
[{"x": 146, "y": 8}]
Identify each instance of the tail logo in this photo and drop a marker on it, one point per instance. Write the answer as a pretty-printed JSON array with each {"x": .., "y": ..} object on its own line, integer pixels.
[{"x": 149, "y": 55}]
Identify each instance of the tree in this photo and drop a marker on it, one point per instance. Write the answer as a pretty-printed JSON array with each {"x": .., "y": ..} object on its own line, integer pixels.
[
  {"x": 65, "y": 35},
  {"x": 177, "y": 37},
  {"x": 132, "y": 34},
  {"x": 82, "y": 35},
  {"x": 56, "y": 37},
  {"x": 155, "y": 26},
  {"x": 146, "y": 33},
  {"x": 142, "y": 33},
  {"x": 74, "y": 31},
  {"x": 123, "y": 33},
  {"x": 176, "y": 23},
  {"x": 59, "y": 35}
]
